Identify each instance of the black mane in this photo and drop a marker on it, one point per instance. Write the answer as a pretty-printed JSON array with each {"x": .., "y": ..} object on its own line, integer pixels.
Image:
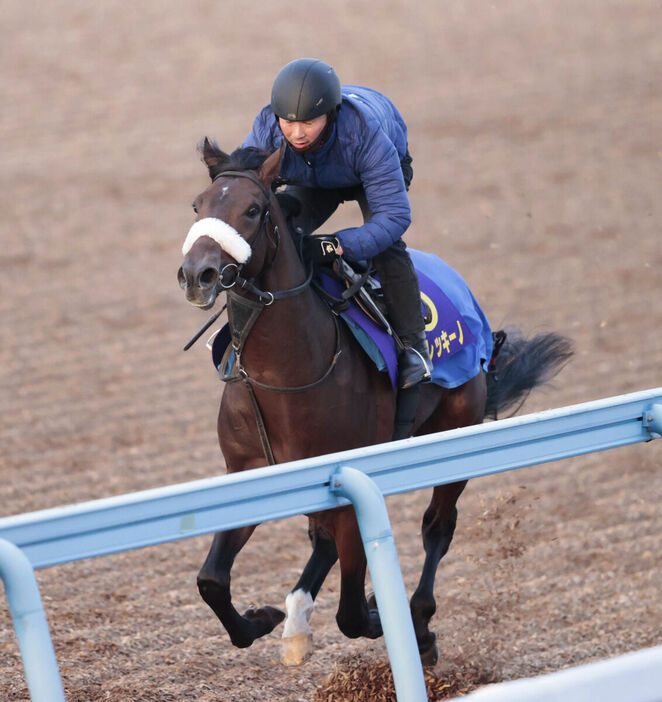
[{"x": 248, "y": 158}]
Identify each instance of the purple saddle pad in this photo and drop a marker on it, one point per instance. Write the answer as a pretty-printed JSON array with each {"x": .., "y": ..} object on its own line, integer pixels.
[{"x": 458, "y": 333}]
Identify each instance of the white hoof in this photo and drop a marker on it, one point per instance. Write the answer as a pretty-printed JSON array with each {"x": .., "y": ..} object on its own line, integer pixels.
[{"x": 296, "y": 649}]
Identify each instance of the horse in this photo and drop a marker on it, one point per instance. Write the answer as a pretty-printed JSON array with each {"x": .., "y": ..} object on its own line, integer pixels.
[{"x": 304, "y": 387}]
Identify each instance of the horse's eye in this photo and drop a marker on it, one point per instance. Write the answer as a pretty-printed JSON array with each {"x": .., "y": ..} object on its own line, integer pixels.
[
  {"x": 195, "y": 207},
  {"x": 253, "y": 211}
]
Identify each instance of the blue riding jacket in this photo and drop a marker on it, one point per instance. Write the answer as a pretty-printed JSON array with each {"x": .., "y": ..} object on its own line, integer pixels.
[{"x": 365, "y": 147}]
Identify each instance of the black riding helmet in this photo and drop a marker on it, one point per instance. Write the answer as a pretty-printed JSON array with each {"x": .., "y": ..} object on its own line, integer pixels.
[{"x": 304, "y": 89}]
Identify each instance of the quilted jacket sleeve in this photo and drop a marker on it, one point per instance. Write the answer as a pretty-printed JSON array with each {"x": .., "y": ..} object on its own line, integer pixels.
[{"x": 378, "y": 165}]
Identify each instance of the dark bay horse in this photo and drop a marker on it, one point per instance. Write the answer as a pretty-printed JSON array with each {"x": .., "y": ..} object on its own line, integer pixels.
[{"x": 305, "y": 388}]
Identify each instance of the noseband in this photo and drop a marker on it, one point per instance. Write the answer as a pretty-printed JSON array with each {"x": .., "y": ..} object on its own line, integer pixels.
[{"x": 266, "y": 296}]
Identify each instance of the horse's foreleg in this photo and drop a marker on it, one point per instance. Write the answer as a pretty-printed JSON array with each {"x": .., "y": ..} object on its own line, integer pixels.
[
  {"x": 214, "y": 587},
  {"x": 354, "y": 617},
  {"x": 437, "y": 531},
  {"x": 297, "y": 634}
]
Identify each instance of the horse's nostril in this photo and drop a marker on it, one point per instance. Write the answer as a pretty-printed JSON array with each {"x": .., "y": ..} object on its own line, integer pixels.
[
  {"x": 208, "y": 277},
  {"x": 181, "y": 278}
]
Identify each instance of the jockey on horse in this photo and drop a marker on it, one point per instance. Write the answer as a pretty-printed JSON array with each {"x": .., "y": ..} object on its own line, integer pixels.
[{"x": 349, "y": 143}]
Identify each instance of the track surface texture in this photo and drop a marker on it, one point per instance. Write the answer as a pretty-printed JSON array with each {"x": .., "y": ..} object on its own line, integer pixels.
[{"x": 536, "y": 132}]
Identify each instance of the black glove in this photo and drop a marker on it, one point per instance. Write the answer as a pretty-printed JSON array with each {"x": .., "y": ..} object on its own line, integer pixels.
[{"x": 320, "y": 248}]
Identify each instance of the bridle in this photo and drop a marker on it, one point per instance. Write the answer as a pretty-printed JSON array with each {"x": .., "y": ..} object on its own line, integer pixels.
[{"x": 266, "y": 296}]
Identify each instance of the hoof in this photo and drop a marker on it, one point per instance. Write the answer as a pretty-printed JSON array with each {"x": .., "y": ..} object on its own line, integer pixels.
[
  {"x": 370, "y": 626},
  {"x": 429, "y": 657},
  {"x": 264, "y": 619},
  {"x": 296, "y": 649},
  {"x": 375, "y": 626},
  {"x": 255, "y": 623}
]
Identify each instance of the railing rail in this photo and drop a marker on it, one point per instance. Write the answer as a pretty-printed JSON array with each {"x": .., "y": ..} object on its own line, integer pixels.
[
  {"x": 63, "y": 534},
  {"x": 149, "y": 517}
]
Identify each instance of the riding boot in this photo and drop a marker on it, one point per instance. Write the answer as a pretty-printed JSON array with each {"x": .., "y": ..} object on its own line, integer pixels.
[
  {"x": 403, "y": 304},
  {"x": 414, "y": 365}
]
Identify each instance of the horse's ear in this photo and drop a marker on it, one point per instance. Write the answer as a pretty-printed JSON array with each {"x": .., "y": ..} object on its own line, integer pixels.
[
  {"x": 270, "y": 169},
  {"x": 213, "y": 156}
]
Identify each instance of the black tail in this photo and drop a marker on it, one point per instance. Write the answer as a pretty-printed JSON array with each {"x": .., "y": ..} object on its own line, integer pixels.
[{"x": 521, "y": 365}]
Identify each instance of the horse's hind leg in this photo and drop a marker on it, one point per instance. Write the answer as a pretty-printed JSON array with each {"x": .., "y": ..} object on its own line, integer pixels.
[
  {"x": 459, "y": 407},
  {"x": 297, "y": 634},
  {"x": 437, "y": 531},
  {"x": 214, "y": 587}
]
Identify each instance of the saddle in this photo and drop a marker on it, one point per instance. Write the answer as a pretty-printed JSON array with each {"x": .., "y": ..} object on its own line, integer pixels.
[{"x": 359, "y": 285}]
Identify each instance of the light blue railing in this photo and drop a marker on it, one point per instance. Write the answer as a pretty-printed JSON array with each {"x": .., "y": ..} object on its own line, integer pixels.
[{"x": 361, "y": 476}]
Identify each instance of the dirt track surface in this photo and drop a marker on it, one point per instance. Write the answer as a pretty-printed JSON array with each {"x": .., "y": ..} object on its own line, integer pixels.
[{"x": 537, "y": 142}]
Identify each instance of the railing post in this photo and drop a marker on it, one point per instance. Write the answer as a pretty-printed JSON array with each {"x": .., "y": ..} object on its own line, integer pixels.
[
  {"x": 653, "y": 420},
  {"x": 386, "y": 576},
  {"x": 34, "y": 638}
]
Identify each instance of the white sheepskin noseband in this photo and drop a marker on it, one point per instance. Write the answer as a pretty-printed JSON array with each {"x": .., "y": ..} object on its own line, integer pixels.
[{"x": 227, "y": 237}]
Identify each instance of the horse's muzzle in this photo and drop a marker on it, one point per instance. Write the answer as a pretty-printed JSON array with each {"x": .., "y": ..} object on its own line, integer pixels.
[{"x": 201, "y": 287}]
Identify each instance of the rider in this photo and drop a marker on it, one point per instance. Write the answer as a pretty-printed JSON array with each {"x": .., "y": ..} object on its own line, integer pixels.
[{"x": 350, "y": 143}]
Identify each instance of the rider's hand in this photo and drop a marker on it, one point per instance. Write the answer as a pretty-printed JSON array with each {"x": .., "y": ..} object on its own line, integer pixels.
[{"x": 321, "y": 248}]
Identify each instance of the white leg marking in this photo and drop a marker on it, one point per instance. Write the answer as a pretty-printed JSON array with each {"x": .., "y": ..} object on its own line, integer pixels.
[
  {"x": 297, "y": 634},
  {"x": 299, "y": 605}
]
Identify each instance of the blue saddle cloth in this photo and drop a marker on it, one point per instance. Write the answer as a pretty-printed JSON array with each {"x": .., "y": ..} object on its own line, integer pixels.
[{"x": 459, "y": 335}]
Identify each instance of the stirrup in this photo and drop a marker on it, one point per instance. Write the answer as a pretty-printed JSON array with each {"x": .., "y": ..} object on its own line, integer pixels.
[{"x": 414, "y": 367}]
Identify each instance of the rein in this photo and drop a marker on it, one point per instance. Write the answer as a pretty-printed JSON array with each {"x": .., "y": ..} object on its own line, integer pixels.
[{"x": 246, "y": 284}]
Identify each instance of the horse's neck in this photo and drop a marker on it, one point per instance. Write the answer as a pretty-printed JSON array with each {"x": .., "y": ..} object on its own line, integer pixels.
[
  {"x": 286, "y": 271},
  {"x": 300, "y": 322}
]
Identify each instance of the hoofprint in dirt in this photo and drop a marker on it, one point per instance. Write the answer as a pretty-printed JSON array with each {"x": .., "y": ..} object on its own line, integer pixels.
[{"x": 536, "y": 144}]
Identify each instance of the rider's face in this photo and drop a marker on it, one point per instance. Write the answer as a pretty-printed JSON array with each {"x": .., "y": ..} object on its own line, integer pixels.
[{"x": 301, "y": 135}]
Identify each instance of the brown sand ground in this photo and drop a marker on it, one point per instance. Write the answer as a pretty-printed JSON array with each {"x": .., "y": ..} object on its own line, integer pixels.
[{"x": 537, "y": 142}]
